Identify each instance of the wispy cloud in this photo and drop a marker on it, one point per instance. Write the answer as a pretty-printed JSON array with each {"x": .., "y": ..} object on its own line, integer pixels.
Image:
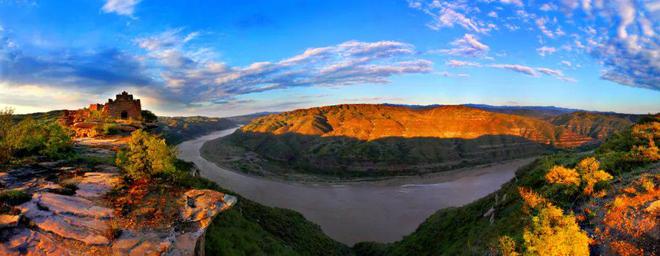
[
  {"x": 545, "y": 50},
  {"x": 621, "y": 35},
  {"x": 120, "y": 7},
  {"x": 458, "y": 63},
  {"x": 517, "y": 68},
  {"x": 527, "y": 70},
  {"x": 352, "y": 62},
  {"x": 468, "y": 46}
]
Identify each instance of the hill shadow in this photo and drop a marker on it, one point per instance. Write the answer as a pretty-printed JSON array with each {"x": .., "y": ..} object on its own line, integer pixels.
[{"x": 348, "y": 156}]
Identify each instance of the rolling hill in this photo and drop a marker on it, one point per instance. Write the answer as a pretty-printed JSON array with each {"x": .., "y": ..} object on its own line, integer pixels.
[
  {"x": 364, "y": 139},
  {"x": 596, "y": 125}
]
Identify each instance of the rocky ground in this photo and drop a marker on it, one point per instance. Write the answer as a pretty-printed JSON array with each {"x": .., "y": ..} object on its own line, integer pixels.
[{"x": 69, "y": 210}]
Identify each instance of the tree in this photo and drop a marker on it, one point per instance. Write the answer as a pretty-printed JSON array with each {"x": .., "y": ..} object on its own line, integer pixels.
[
  {"x": 148, "y": 116},
  {"x": 146, "y": 155}
]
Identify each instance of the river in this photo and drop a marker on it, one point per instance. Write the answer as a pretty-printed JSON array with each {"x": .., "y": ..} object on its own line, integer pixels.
[{"x": 382, "y": 211}]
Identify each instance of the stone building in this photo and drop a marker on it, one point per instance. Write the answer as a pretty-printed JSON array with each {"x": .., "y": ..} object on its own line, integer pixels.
[{"x": 122, "y": 107}]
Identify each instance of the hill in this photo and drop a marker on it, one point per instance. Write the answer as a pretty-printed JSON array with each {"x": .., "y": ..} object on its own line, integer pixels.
[
  {"x": 612, "y": 198},
  {"x": 540, "y": 112},
  {"x": 178, "y": 129},
  {"x": 367, "y": 140},
  {"x": 596, "y": 125}
]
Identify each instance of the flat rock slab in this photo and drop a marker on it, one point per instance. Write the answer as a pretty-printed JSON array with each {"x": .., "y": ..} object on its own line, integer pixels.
[
  {"x": 69, "y": 217},
  {"x": 96, "y": 184},
  {"x": 142, "y": 243},
  {"x": 62, "y": 204},
  {"x": 8, "y": 221}
]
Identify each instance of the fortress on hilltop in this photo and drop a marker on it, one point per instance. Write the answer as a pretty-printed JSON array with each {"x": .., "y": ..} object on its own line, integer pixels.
[{"x": 123, "y": 107}]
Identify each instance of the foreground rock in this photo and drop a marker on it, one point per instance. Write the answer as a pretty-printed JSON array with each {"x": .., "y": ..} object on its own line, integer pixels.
[
  {"x": 60, "y": 220},
  {"x": 72, "y": 225}
]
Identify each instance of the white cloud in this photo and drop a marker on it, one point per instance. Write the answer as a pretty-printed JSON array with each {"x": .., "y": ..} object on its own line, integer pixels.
[
  {"x": 566, "y": 63},
  {"x": 517, "y": 68},
  {"x": 547, "y": 7},
  {"x": 544, "y": 50},
  {"x": 541, "y": 24},
  {"x": 120, "y": 7},
  {"x": 555, "y": 73},
  {"x": 518, "y": 3},
  {"x": 449, "y": 74},
  {"x": 458, "y": 63},
  {"x": 527, "y": 70},
  {"x": 468, "y": 46},
  {"x": 191, "y": 79}
]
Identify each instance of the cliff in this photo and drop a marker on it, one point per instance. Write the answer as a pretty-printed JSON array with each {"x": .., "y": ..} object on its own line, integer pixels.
[
  {"x": 383, "y": 139},
  {"x": 595, "y": 125}
]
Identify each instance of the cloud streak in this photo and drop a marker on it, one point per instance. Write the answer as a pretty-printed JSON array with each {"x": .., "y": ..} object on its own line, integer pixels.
[
  {"x": 467, "y": 46},
  {"x": 120, "y": 7},
  {"x": 522, "y": 69}
]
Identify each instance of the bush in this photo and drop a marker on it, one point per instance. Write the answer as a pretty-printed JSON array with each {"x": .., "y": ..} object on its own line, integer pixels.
[
  {"x": 148, "y": 116},
  {"x": 146, "y": 156},
  {"x": 111, "y": 129},
  {"x": 14, "y": 197},
  {"x": 553, "y": 233},
  {"x": 31, "y": 137}
]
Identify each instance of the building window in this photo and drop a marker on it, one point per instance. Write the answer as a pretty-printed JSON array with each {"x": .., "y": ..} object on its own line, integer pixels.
[{"x": 124, "y": 115}]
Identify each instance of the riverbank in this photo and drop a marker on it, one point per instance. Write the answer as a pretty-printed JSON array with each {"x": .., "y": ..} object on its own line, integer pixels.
[
  {"x": 382, "y": 211},
  {"x": 231, "y": 157}
]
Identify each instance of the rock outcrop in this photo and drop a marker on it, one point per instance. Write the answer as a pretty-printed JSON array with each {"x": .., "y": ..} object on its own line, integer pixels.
[{"x": 57, "y": 221}]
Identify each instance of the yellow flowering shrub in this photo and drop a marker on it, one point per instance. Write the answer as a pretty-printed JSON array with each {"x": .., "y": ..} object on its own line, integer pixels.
[
  {"x": 507, "y": 246},
  {"x": 563, "y": 175},
  {"x": 551, "y": 231},
  {"x": 591, "y": 175}
]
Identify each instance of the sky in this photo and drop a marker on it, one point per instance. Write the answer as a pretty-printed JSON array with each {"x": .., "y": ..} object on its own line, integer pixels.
[{"x": 223, "y": 58}]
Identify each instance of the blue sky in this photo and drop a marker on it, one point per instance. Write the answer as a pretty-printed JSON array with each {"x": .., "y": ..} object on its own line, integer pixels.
[{"x": 223, "y": 58}]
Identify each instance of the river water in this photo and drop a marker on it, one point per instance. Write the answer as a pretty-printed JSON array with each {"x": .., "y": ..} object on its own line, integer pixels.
[{"x": 382, "y": 211}]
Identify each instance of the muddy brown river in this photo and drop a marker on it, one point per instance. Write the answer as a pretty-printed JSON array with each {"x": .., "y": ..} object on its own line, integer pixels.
[{"x": 382, "y": 211}]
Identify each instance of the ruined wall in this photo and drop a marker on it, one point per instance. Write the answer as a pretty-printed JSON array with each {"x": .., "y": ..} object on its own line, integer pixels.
[{"x": 123, "y": 103}]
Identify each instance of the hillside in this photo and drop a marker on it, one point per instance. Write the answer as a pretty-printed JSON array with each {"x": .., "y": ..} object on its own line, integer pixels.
[
  {"x": 540, "y": 112},
  {"x": 367, "y": 140},
  {"x": 595, "y": 125},
  {"x": 553, "y": 205},
  {"x": 178, "y": 129}
]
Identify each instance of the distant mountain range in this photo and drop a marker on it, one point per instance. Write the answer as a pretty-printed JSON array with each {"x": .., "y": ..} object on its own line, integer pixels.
[{"x": 386, "y": 138}]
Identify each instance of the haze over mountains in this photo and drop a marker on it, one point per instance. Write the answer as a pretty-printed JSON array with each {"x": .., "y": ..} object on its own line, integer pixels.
[{"x": 364, "y": 139}]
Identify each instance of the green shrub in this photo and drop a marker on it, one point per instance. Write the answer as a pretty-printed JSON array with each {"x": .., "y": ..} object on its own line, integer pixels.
[
  {"x": 31, "y": 137},
  {"x": 14, "y": 197},
  {"x": 146, "y": 157},
  {"x": 111, "y": 129},
  {"x": 148, "y": 116}
]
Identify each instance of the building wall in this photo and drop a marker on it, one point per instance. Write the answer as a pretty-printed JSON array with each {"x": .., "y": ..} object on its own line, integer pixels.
[{"x": 132, "y": 108}]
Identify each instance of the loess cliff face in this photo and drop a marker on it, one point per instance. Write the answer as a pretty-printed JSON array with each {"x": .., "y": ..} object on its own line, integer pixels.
[
  {"x": 372, "y": 122},
  {"x": 388, "y": 138},
  {"x": 595, "y": 125}
]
